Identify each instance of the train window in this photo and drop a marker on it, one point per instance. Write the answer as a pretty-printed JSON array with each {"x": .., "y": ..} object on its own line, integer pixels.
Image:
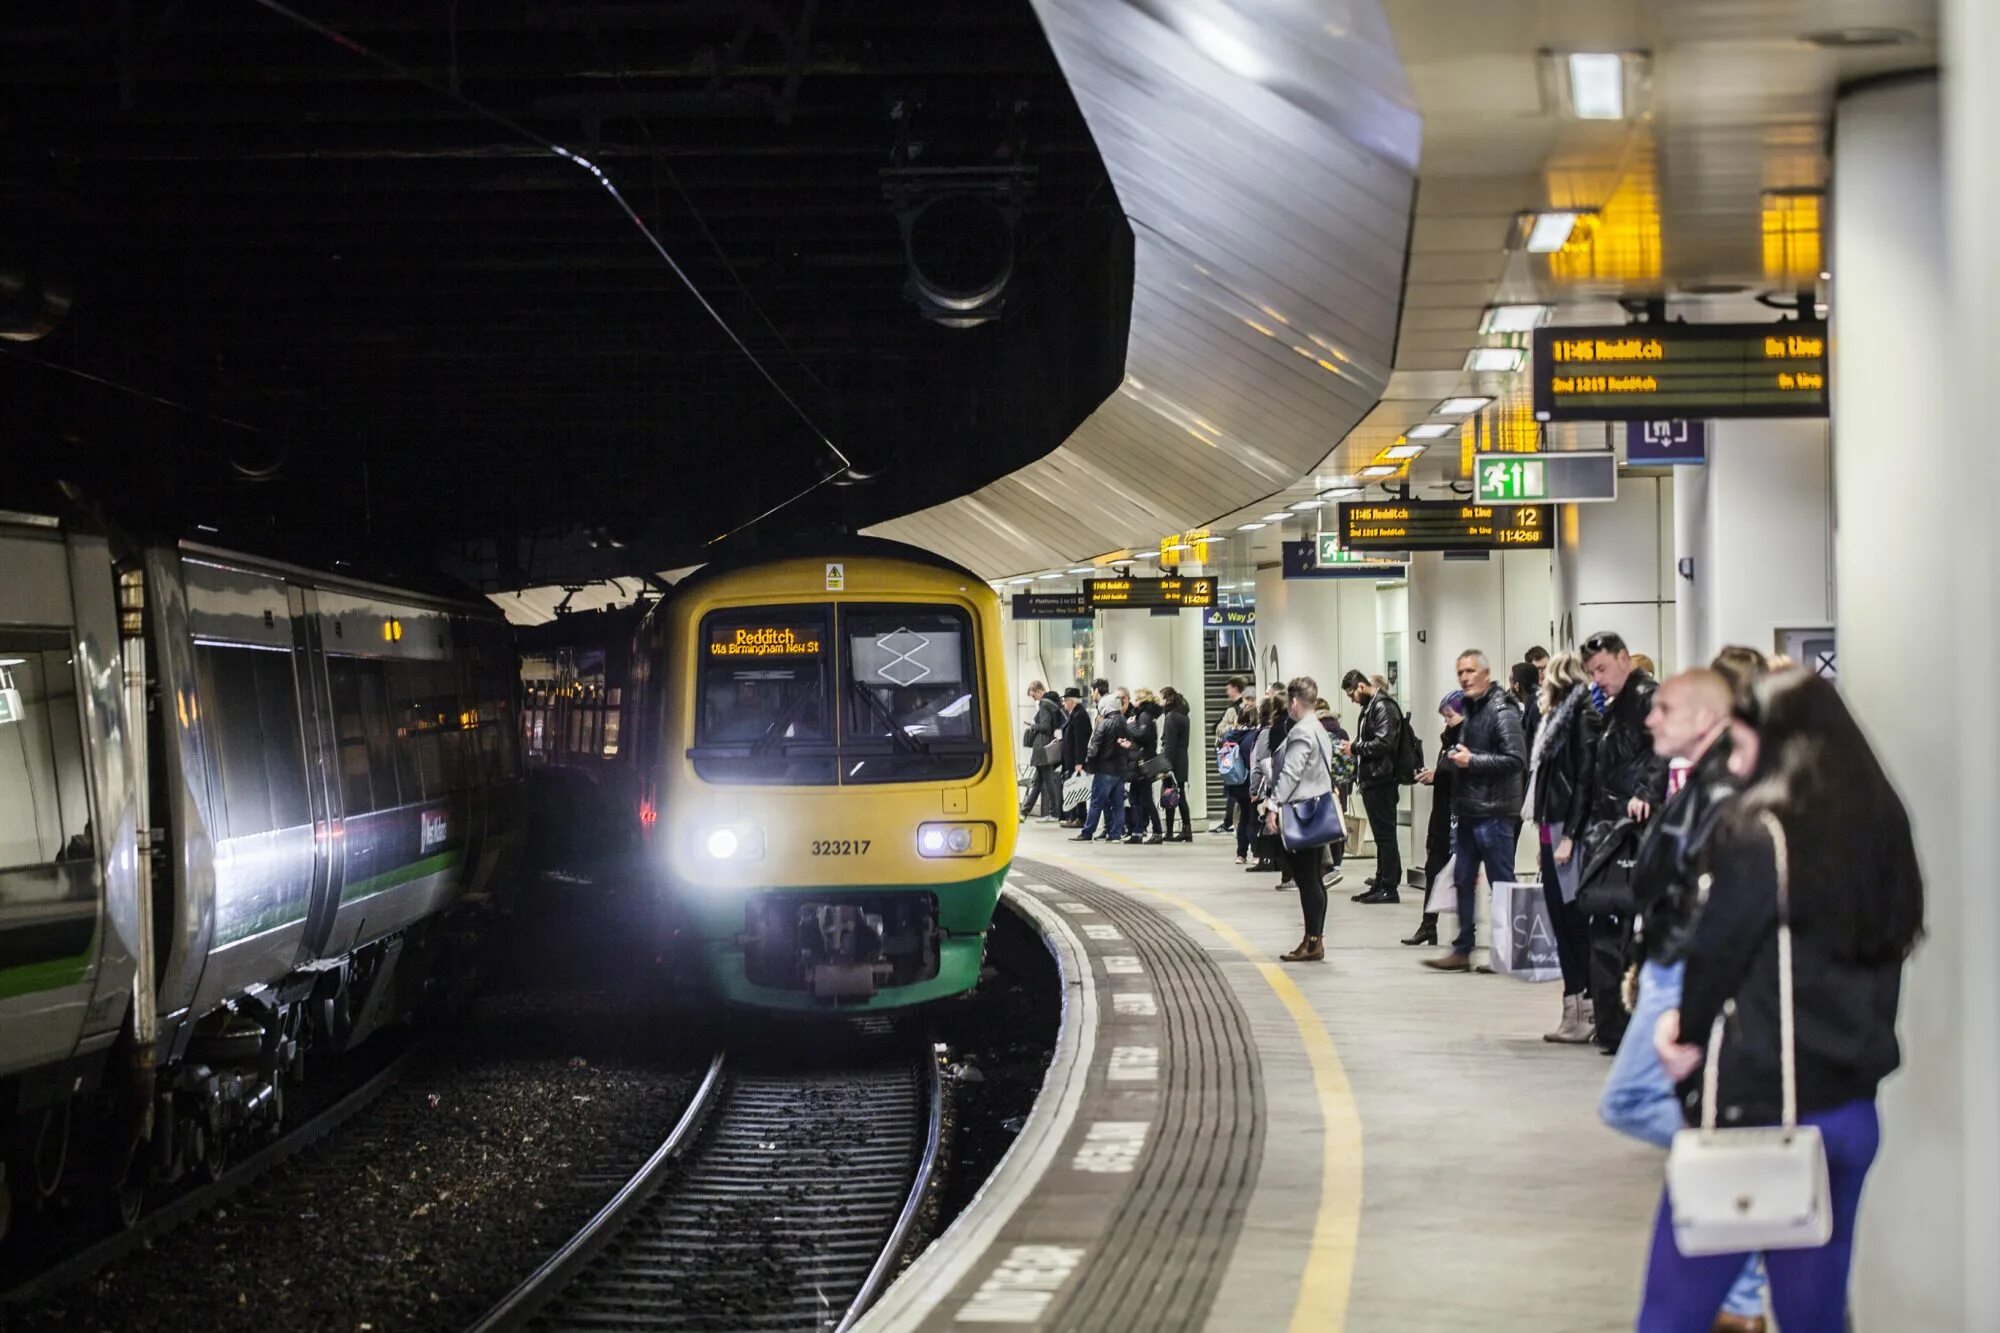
[
  {"x": 257, "y": 766},
  {"x": 421, "y": 714},
  {"x": 909, "y": 707},
  {"x": 764, "y": 682},
  {"x": 362, "y": 727},
  {"x": 44, "y": 800}
]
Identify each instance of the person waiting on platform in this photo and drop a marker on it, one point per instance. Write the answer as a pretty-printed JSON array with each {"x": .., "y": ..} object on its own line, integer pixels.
[
  {"x": 1438, "y": 836},
  {"x": 1492, "y": 761},
  {"x": 1377, "y": 733},
  {"x": 1109, "y": 769},
  {"x": 1142, "y": 744},
  {"x": 1628, "y": 781},
  {"x": 1525, "y": 685},
  {"x": 1272, "y": 722},
  {"x": 1538, "y": 658},
  {"x": 1689, "y": 724},
  {"x": 1301, "y": 770},
  {"x": 1174, "y": 729},
  {"x": 1044, "y": 741},
  {"x": 1814, "y": 896},
  {"x": 1559, "y": 763},
  {"x": 1239, "y": 713},
  {"x": 1076, "y": 745}
]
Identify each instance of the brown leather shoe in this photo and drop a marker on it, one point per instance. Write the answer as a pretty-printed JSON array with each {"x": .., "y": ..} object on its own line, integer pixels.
[
  {"x": 1451, "y": 962},
  {"x": 1312, "y": 949},
  {"x": 1739, "y": 1323}
]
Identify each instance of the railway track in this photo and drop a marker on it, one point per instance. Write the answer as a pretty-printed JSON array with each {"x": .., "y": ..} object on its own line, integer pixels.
[
  {"x": 781, "y": 1200},
  {"x": 192, "y": 1203}
]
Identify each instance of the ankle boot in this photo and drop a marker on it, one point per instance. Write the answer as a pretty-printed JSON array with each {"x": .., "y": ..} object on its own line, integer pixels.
[
  {"x": 1572, "y": 1031},
  {"x": 1312, "y": 949},
  {"x": 1427, "y": 931},
  {"x": 1586, "y": 1016}
]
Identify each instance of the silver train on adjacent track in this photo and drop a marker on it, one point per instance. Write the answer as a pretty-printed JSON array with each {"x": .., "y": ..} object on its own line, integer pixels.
[{"x": 241, "y": 808}]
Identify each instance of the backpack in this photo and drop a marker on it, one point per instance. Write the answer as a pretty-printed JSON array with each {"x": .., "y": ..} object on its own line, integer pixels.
[
  {"x": 1231, "y": 764},
  {"x": 1409, "y": 756}
]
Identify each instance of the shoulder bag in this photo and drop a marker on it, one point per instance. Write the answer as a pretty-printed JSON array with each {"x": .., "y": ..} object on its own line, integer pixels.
[
  {"x": 1312, "y": 822},
  {"x": 1738, "y": 1190},
  {"x": 1154, "y": 767}
]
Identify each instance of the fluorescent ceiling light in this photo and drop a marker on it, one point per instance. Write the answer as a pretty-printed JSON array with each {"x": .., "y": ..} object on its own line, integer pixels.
[
  {"x": 1026, "y": 580},
  {"x": 1084, "y": 569},
  {"x": 1279, "y": 517},
  {"x": 1459, "y": 407},
  {"x": 1430, "y": 430},
  {"x": 1340, "y": 493},
  {"x": 1049, "y": 576},
  {"x": 1484, "y": 359},
  {"x": 1511, "y": 318},
  {"x": 1248, "y": 527},
  {"x": 1309, "y": 504},
  {"x": 1381, "y": 470},
  {"x": 1549, "y": 232},
  {"x": 1597, "y": 85},
  {"x": 1403, "y": 451},
  {"x": 1144, "y": 555}
]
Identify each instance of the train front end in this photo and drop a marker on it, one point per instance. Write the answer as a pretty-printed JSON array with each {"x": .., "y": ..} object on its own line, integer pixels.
[{"x": 827, "y": 809}]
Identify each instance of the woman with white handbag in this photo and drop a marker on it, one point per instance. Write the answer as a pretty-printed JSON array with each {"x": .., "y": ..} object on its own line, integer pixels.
[{"x": 1811, "y": 901}]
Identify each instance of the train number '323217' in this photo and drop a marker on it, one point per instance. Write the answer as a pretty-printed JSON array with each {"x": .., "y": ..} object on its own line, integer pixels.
[{"x": 840, "y": 846}]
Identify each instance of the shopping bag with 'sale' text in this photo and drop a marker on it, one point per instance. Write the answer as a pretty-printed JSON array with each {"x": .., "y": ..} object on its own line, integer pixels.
[{"x": 1524, "y": 939}]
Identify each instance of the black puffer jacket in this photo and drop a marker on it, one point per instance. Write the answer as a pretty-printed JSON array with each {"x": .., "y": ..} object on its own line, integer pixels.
[
  {"x": 1375, "y": 735},
  {"x": 1562, "y": 773},
  {"x": 1626, "y": 765},
  {"x": 1174, "y": 739},
  {"x": 1492, "y": 783},
  {"x": 1107, "y": 757},
  {"x": 1437, "y": 838},
  {"x": 1844, "y": 1009},
  {"x": 1665, "y": 899},
  {"x": 1142, "y": 725}
]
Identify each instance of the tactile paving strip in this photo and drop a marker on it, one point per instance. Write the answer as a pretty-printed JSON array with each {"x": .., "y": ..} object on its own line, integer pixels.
[{"x": 1116, "y": 1239}]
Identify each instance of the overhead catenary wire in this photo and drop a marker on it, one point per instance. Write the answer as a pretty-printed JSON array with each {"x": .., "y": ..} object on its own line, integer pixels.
[{"x": 610, "y": 187}]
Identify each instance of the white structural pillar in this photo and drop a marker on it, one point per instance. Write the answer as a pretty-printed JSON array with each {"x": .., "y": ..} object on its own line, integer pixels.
[
  {"x": 1755, "y": 530},
  {"x": 1914, "y": 354},
  {"x": 1615, "y": 567}
]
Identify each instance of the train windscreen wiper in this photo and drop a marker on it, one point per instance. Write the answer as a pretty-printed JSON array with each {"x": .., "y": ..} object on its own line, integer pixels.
[{"x": 880, "y": 711}]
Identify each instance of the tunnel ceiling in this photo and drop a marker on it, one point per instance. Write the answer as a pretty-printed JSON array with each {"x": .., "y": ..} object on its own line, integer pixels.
[{"x": 306, "y": 299}]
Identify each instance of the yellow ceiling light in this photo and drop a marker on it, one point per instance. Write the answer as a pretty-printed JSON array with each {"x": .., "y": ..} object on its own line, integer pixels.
[
  {"x": 1791, "y": 231},
  {"x": 1620, "y": 241}
]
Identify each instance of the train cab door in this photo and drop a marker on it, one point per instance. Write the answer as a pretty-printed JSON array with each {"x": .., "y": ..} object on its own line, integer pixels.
[{"x": 322, "y": 777}]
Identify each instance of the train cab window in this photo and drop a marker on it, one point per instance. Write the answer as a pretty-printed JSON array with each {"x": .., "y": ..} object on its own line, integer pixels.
[
  {"x": 256, "y": 753},
  {"x": 765, "y": 680},
  {"x": 909, "y": 707},
  {"x": 44, "y": 798}
]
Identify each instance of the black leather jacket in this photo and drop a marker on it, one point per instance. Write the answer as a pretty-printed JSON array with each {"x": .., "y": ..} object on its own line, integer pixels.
[
  {"x": 1844, "y": 1010},
  {"x": 1665, "y": 896},
  {"x": 1626, "y": 765},
  {"x": 1106, "y": 756},
  {"x": 1375, "y": 736},
  {"x": 1562, "y": 776},
  {"x": 1437, "y": 838},
  {"x": 1490, "y": 786}
]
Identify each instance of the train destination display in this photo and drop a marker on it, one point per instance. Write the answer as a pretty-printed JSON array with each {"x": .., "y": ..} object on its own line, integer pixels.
[
  {"x": 1651, "y": 372},
  {"x": 1443, "y": 525},
  {"x": 1143, "y": 593}
]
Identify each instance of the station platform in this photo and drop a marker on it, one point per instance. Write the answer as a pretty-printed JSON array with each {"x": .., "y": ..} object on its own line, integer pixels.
[{"x": 1228, "y": 1142}]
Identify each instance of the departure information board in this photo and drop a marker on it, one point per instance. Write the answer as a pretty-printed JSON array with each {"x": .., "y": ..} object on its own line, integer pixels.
[
  {"x": 1106, "y": 594},
  {"x": 1443, "y": 525},
  {"x": 1652, "y": 372}
]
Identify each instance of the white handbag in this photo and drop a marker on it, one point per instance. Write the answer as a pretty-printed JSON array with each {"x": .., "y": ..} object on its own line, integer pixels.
[{"x": 1738, "y": 1190}]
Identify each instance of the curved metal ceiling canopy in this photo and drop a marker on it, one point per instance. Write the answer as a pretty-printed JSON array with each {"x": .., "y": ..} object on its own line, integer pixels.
[{"x": 1265, "y": 153}]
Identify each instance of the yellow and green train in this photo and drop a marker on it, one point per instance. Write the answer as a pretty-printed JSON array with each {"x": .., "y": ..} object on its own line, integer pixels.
[{"x": 823, "y": 789}]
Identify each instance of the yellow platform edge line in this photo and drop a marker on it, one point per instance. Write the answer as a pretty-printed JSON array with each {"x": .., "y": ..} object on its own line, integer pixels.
[{"x": 1328, "y": 1278}]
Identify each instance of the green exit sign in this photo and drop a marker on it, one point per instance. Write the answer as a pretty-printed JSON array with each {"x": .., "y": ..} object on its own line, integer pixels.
[
  {"x": 1505, "y": 480},
  {"x": 1566, "y": 477}
]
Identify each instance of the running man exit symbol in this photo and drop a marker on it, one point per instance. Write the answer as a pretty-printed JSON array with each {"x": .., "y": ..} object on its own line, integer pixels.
[{"x": 1511, "y": 479}]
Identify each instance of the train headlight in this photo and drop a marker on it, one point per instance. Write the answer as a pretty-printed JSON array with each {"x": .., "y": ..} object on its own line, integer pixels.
[
  {"x": 733, "y": 842},
  {"x": 954, "y": 839}
]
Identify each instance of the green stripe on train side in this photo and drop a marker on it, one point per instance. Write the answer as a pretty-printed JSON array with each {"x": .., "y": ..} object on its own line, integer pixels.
[
  {"x": 389, "y": 879},
  {"x": 49, "y": 974}
]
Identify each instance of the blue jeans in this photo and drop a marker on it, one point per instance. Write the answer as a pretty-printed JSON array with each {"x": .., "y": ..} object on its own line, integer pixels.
[
  {"x": 1476, "y": 842},
  {"x": 1107, "y": 798},
  {"x": 1638, "y": 1101},
  {"x": 1808, "y": 1287}
]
